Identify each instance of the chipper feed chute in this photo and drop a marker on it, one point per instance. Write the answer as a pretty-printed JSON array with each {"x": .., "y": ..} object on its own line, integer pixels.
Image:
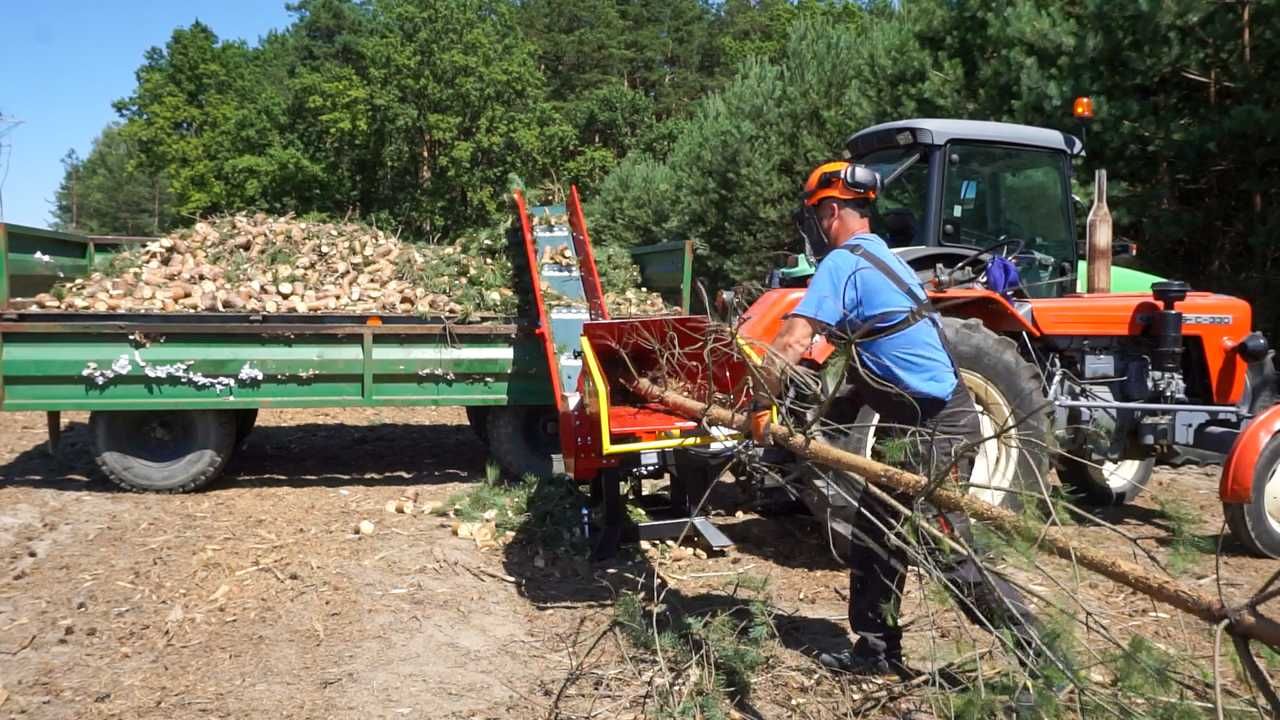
[{"x": 609, "y": 435}]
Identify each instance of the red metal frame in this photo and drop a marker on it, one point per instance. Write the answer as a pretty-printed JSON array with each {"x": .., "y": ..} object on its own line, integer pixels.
[
  {"x": 586, "y": 258},
  {"x": 621, "y": 345},
  {"x": 1117, "y": 314},
  {"x": 568, "y": 444},
  {"x": 646, "y": 420}
]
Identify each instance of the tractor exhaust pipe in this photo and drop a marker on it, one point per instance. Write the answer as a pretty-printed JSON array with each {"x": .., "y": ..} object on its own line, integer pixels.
[{"x": 1098, "y": 237}]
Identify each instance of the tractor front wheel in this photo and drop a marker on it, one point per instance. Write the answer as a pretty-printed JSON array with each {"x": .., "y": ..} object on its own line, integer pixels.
[
  {"x": 1104, "y": 483},
  {"x": 1256, "y": 525}
]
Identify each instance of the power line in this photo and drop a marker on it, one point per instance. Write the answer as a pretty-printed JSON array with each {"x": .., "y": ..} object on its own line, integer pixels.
[{"x": 7, "y": 124}]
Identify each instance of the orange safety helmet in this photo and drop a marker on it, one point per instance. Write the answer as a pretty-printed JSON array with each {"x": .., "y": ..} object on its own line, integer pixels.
[{"x": 841, "y": 180}]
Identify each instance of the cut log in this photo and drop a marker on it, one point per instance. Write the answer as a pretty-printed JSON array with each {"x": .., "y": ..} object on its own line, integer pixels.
[{"x": 1247, "y": 621}]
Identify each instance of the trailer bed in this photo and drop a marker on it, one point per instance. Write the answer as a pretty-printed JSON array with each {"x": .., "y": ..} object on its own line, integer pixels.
[{"x": 55, "y": 361}]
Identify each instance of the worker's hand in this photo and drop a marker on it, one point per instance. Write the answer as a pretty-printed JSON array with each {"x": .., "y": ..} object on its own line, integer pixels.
[{"x": 761, "y": 416}]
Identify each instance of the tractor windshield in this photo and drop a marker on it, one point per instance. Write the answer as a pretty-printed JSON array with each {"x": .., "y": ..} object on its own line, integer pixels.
[
  {"x": 898, "y": 214},
  {"x": 994, "y": 192}
]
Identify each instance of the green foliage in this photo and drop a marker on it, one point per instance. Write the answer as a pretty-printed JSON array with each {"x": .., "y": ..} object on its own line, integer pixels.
[
  {"x": 507, "y": 505},
  {"x": 636, "y": 204},
  {"x": 731, "y": 179},
  {"x": 201, "y": 115},
  {"x": 725, "y": 638},
  {"x": 691, "y": 118},
  {"x": 543, "y": 512},
  {"x": 1142, "y": 666},
  {"x": 1186, "y": 547},
  {"x": 108, "y": 193},
  {"x": 618, "y": 272},
  {"x": 1146, "y": 674}
]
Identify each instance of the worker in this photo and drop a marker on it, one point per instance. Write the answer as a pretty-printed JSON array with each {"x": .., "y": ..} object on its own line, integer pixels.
[{"x": 901, "y": 368}]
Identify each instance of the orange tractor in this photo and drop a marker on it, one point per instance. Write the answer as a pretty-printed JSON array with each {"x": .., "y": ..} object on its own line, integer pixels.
[{"x": 1100, "y": 387}]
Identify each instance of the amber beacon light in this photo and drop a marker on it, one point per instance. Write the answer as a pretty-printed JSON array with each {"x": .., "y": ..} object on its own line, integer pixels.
[{"x": 1083, "y": 108}]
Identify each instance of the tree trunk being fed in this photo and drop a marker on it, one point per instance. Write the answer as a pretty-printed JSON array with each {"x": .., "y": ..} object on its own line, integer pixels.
[{"x": 1245, "y": 621}]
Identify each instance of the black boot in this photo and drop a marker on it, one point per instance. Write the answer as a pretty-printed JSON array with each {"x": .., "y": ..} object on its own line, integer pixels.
[{"x": 854, "y": 663}]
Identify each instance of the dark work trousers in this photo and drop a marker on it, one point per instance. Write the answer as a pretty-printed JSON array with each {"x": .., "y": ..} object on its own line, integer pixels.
[{"x": 932, "y": 440}]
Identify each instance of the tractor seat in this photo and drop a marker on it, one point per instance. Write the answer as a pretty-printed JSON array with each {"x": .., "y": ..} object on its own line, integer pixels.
[{"x": 900, "y": 227}]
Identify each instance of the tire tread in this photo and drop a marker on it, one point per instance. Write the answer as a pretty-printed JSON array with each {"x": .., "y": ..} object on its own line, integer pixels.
[{"x": 207, "y": 474}]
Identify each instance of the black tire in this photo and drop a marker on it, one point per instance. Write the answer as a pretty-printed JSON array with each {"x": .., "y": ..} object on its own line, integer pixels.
[
  {"x": 1106, "y": 484},
  {"x": 1009, "y": 393},
  {"x": 478, "y": 419},
  {"x": 982, "y": 355},
  {"x": 245, "y": 422},
  {"x": 1256, "y": 526},
  {"x": 522, "y": 439},
  {"x": 169, "y": 451}
]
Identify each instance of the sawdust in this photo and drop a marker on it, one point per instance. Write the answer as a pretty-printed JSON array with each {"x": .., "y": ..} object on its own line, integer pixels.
[{"x": 256, "y": 599}]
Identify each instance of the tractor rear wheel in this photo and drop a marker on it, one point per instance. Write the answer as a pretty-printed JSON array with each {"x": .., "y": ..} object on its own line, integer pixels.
[
  {"x": 1105, "y": 483},
  {"x": 1012, "y": 462},
  {"x": 1011, "y": 465},
  {"x": 167, "y": 451},
  {"x": 1257, "y": 524},
  {"x": 522, "y": 438}
]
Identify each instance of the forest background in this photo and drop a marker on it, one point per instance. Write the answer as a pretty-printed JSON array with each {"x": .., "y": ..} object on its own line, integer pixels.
[{"x": 692, "y": 118}]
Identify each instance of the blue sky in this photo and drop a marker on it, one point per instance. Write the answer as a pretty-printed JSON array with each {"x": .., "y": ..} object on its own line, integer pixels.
[{"x": 62, "y": 63}]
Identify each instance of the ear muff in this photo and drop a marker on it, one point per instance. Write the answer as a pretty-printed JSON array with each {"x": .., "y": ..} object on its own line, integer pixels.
[
  {"x": 847, "y": 181},
  {"x": 861, "y": 178}
]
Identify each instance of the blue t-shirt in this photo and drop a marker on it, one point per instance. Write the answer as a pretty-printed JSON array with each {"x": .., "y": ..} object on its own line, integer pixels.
[{"x": 847, "y": 291}]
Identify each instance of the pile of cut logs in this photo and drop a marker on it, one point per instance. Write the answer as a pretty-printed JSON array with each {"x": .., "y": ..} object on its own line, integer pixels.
[{"x": 261, "y": 264}]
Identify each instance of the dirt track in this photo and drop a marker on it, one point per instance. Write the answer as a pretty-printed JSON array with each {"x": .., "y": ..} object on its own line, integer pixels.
[{"x": 256, "y": 599}]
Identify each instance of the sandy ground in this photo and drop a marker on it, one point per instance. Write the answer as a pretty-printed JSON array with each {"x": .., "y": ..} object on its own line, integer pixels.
[{"x": 255, "y": 598}]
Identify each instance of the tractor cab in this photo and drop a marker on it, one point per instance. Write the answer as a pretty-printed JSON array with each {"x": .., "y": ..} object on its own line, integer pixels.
[{"x": 956, "y": 192}]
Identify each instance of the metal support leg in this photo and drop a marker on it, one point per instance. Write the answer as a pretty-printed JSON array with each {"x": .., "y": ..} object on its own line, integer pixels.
[
  {"x": 609, "y": 535},
  {"x": 693, "y": 474},
  {"x": 53, "y": 419},
  {"x": 689, "y": 483}
]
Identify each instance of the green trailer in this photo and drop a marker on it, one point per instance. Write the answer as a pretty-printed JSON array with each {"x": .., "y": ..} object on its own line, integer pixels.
[{"x": 172, "y": 395}]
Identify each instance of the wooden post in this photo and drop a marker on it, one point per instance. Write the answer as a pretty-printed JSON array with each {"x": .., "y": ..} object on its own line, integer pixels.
[{"x": 1099, "y": 236}]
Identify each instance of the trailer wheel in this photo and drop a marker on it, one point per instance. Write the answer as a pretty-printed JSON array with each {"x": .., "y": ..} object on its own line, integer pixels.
[
  {"x": 522, "y": 438},
  {"x": 1105, "y": 483},
  {"x": 478, "y": 419},
  {"x": 1257, "y": 524},
  {"x": 1012, "y": 463},
  {"x": 168, "y": 451},
  {"x": 245, "y": 422}
]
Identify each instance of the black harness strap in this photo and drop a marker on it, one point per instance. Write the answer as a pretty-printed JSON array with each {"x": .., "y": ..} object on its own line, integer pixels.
[{"x": 922, "y": 308}]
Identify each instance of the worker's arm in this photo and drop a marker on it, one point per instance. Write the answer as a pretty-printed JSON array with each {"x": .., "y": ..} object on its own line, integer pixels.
[
  {"x": 788, "y": 346},
  {"x": 823, "y": 305}
]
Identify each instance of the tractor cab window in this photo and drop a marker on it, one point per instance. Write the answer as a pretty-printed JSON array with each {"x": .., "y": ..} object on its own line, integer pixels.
[
  {"x": 898, "y": 214},
  {"x": 1017, "y": 200}
]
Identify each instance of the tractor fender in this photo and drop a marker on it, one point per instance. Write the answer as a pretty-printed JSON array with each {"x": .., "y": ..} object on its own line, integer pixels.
[
  {"x": 1238, "y": 471},
  {"x": 762, "y": 321},
  {"x": 993, "y": 309}
]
